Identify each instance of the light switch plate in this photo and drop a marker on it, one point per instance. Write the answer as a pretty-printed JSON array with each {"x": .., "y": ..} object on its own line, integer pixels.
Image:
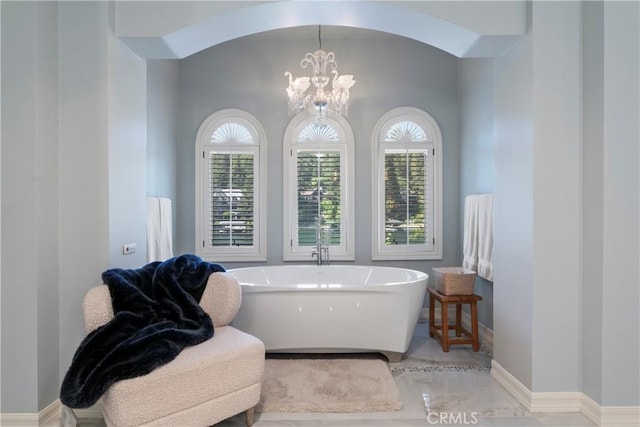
[{"x": 129, "y": 248}]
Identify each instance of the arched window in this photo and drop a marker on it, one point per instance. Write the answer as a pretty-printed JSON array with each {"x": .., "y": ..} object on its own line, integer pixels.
[
  {"x": 230, "y": 186},
  {"x": 318, "y": 187},
  {"x": 407, "y": 201}
]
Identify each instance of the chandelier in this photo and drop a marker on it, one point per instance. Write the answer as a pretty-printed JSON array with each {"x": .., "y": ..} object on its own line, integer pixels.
[{"x": 312, "y": 92}]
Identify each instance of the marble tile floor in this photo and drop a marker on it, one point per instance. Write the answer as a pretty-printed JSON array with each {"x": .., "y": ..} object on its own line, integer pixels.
[{"x": 437, "y": 388}]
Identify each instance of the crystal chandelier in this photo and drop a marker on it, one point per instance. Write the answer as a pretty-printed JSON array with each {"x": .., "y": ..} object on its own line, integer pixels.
[{"x": 307, "y": 92}]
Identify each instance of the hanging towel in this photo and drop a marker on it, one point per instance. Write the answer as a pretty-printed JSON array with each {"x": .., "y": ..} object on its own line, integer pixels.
[
  {"x": 159, "y": 229},
  {"x": 485, "y": 237},
  {"x": 470, "y": 233},
  {"x": 477, "y": 247}
]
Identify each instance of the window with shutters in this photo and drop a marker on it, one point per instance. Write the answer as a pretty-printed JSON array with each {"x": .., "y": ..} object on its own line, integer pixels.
[
  {"x": 406, "y": 202},
  {"x": 230, "y": 186},
  {"x": 318, "y": 187}
]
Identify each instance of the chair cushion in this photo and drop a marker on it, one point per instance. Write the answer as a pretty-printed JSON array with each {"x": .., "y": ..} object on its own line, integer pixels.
[
  {"x": 230, "y": 361},
  {"x": 97, "y": 307},
  {"x": 221, "y": 298}
]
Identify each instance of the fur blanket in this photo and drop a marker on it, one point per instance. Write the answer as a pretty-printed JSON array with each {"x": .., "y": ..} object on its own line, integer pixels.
[{"x": 156, "y": 315}]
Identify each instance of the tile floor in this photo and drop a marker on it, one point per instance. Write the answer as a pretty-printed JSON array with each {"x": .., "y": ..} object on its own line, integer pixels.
[{"x": 437, "y": 388}]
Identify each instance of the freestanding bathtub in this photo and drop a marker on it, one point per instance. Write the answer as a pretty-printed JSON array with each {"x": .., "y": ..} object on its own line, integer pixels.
[{"x": 333, "y": 309}]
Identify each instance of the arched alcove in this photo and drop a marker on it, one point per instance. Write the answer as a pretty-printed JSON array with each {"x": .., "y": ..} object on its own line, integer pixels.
[{"x": 156, "y": 30}]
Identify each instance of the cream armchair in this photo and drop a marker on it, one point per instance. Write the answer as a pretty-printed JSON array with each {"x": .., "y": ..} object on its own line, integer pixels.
[{"x": 204, "y": 384}]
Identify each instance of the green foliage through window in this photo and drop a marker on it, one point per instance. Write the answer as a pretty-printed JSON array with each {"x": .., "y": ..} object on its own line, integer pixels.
[
  {"x": 405, "y": 196},
  {"x": 318, "y": 195}
]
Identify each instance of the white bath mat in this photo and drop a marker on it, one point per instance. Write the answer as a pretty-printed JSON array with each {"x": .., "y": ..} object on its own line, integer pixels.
[{"x": 328, "y": 385}]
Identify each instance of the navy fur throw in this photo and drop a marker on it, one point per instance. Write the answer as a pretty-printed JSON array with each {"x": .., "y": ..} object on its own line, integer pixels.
[{"x": 156, "y": 315}]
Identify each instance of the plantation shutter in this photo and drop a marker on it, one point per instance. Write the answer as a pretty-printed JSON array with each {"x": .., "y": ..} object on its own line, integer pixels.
[
  {"x": 230, "y": 219},
  {"x": 318, "y": 188},
  {"x": 231, "y": 199},
  {"x": 406, "y": 202},
  {"x": 318, "y": 195},
  {"x": 408, "y": 196}
]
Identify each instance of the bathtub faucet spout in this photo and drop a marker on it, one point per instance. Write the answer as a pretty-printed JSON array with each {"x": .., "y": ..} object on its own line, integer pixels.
[{"x": 321, "y": 252}]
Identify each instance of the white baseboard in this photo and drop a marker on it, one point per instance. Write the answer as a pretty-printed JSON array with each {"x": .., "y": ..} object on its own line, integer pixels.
[
  {"x": 603, "y": 416},
  {"x": 19, "y": 420},
  {"x": 511, "y": 383},
  {"x": 48, "y": 417},
  {"x": 611, "y": 416}
]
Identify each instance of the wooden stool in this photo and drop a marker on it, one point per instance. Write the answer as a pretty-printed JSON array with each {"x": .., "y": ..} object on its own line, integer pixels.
[{"x": 441, "y": 331}]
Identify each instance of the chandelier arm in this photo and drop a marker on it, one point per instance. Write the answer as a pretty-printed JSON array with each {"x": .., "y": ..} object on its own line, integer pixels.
[
  {"x": 309, "y": 58},
  {"x": 335, "y": 97}
]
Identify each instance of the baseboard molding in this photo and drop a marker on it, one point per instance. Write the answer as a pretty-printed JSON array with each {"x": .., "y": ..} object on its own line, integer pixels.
[
  {"x": 603, "y": 416},
  {"x": 511, "y": 383},
  {"x": 610, "y": 416},
  {"x": 49, "y": 416},
  {"x": 19, "y": 420}
]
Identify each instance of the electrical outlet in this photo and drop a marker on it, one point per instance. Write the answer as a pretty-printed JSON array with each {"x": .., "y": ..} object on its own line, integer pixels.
[{"x": 129, "y": 249}]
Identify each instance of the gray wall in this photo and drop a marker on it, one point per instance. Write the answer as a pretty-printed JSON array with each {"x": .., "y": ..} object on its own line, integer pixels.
[
  {"x": 620, "y": 226},
  {"x": 73, "y": 182},
  {"x": 84, "y": 195},
  {"x": 29, "y": 210},
  {"x": 249, "y": 74},
  {"x": 611, "y": 220},
  {"x": 127, "y": 121},
  {"x": 162, "y": 134},
  {"x": 568, "y": 166},
  {"x": 557, "y": 107},
  {"x": 538, "y": 176},
  {"x": 593, "y": 201},
  {"x": 475, "y": 79},
  {"x": 513, "y": 234}
]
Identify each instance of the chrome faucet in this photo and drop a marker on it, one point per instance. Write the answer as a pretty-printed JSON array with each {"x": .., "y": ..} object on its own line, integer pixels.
[{"x": 321, "y": 252}]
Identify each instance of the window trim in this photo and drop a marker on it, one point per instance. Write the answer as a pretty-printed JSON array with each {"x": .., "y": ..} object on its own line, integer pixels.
[
  {"x": 256, "y": 252},
  {"x": 293, "y": 252},
  {"x": 380, "y": 251}
]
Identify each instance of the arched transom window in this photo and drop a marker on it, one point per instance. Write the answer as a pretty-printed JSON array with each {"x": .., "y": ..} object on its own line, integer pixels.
[
  {"x": 318, "y": 187},
  {"x": 406, "y": 202},
  {"x": 230, "y": 185}
]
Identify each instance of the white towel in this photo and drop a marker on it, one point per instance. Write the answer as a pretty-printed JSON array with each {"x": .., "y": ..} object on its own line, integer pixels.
[
  {"x": 470, "y": 233},
  {"x": 485, "y": 237},
  {"x": 477, "y": 248},
  {"x": 159, "y": 229}
]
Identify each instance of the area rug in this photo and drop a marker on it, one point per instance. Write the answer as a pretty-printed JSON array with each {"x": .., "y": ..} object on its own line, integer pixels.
[{"x": 328, "y": 385}]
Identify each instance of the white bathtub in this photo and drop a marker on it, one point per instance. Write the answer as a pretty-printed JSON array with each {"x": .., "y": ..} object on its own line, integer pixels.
[{"x": 336, "y": 308}]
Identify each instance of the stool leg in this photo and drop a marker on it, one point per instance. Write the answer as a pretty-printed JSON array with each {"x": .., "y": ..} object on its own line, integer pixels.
[
  {"x": 458, "y": 320},
  {"x": 432, "y": 304},
  {"x": 474, "y": 326},
  {"x": 445, "y": 326}
]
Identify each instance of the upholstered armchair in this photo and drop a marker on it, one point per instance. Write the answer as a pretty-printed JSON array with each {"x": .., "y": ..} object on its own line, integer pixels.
[{"x": 204, "y": 384}]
